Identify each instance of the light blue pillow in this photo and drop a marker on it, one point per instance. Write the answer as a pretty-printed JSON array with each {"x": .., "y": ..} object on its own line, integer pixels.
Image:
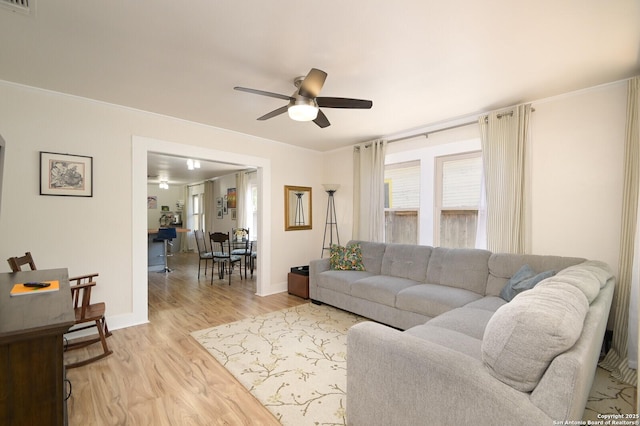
[{"x": 524, "y": 279}]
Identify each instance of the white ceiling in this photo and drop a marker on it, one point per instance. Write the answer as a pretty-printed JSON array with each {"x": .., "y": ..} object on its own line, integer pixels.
[
  {"x": 420, "y": 62},
  {"x": 172, "y": 169}
]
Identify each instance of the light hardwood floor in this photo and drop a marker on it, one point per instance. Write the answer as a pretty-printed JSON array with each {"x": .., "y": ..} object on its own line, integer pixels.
[{"x": 158, "y": 374}]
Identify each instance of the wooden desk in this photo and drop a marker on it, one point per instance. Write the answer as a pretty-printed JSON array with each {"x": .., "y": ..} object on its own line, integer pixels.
[{"x": 32, "y": 390}]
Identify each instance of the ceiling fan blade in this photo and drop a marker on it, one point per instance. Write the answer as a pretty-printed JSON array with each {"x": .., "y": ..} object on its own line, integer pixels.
[
  {"x": 343, "y": 103},
  {"x": 274, "y": 113},
  {"x": 263, "y": 93},
  {"x": 322, "y": 120},
  {"x": 312, "y": 83}
]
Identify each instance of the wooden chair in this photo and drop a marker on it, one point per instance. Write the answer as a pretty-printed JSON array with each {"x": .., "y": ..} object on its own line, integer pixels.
[
  {"x": 16, "y": 263},
  {"x": 221, "y": 249},
  {"x": 87, "y": 315},
  {"x": 203, "y": 252},
  {"x": 253, "y": 256}
]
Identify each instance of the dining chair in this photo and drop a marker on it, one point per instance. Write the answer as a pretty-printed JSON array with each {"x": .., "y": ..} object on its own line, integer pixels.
[
  {"x": 87, "y": 314},
  {"x": 16, "y": 263},
  {"x": 253, "y": 256},
  {"x": 204, "y": 253},
  {"x": 221, "y": 249},
  {"x": 241, "y": 246}
]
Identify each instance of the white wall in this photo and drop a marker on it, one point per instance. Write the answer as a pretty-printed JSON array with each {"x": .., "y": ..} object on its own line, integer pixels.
[
  {"x": 577, "y": 162},
  {"x": 576, "y": 176},
  {"x": 107, "y": 233},
  {"x": 166, "y": 197},
  {"x": 220, "y": 187}
]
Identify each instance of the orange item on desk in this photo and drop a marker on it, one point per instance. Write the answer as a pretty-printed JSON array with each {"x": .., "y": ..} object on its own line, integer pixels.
[{"x": 20, "y": 289}]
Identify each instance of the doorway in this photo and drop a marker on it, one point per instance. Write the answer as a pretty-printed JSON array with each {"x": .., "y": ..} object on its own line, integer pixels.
[{"x": 141, "y": 147}]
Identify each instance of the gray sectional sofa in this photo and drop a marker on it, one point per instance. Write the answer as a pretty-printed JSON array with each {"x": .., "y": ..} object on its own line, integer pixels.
[{"x": 456, "y": 352}]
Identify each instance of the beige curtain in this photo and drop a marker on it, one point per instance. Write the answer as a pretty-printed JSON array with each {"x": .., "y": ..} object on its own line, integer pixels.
[
  {"x": 504, "y": 137},
  {"x": 241, "y": 200},
  {"x": 209, "y": 204},
  {"x": 187, "y": 241},
  {"x": 368, "y": 191},
  {"x": 617, "y": 360}
]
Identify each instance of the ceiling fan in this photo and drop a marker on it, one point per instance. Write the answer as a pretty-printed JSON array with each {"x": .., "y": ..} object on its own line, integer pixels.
[{"x": 304, "y": 104}]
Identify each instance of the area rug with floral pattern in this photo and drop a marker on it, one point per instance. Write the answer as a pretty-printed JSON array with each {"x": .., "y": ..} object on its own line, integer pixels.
[{"x": 293, "y": 361}]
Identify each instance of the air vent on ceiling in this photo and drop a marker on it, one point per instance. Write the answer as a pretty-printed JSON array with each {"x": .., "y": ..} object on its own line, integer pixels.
[{"x": 21, "y": 6}]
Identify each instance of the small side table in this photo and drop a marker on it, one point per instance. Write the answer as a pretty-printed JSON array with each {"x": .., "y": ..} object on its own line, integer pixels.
[{"x": 298, "y": 282}]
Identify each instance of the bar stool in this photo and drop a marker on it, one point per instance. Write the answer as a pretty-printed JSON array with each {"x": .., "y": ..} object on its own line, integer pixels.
[{"x": 165, "y": 235}]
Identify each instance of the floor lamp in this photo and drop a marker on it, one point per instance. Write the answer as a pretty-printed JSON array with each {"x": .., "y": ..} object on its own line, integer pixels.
[{"x": 331, "y": 222}]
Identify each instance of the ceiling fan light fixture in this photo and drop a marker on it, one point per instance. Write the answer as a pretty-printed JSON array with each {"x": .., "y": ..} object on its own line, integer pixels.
[{"x": 303, "y": 110}]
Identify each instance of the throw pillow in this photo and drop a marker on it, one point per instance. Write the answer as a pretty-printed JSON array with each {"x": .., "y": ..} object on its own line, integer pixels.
[
  {"x": 524, "y": 279},
  {"x": 347, "y": 258}
]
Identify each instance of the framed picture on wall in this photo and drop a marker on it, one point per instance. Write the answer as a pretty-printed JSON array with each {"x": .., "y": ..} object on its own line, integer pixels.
[
  {"x": 66, "y": 174},
  {"x": 219, "y": 213},
  {"x": 231, "y": 198},
  {"x": 152, "y": 202},
  {"x": 219, "y": 202},
  {"x": 225, "y": 207}
]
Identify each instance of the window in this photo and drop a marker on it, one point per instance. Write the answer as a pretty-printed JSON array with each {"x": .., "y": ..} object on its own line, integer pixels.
[
  {"x": 198, "y": 213},
  {"x": 402, "y": 202},
  {"x": 457, "y": 198}
]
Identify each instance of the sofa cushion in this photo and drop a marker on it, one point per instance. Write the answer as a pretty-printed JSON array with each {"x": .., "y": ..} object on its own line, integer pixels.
[
  {"x": 461, "y": 268},
  {"x": 406, "y": 261},
  {"x": 503, "y": 266},
  {"x": 340, "y": 281},
  {"x": 589, "y": 277},
  {"x": 469, "y": 321},
  {"x": 380, "y": 288},
  {"x": 451, "y": 339},
  {"x": 348, "y": 258},
  {"x": 525, "y": 335},
  {"x": 524, "y": 279},
  {"x": 433, "y": 299},
  {"x": 488, "y": 303},
  {"x": 371, "y": 255}
]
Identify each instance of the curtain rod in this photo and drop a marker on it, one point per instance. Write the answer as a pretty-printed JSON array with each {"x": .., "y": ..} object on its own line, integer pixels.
[{"x": 426, "y": 134}]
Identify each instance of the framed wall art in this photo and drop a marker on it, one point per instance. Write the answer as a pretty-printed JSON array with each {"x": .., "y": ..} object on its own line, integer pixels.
[
  {"x": 297, "y": 208},
  {"x": 231, "y": 198},
  {"x": 66, "y": 174},
  {"x": 152, "y": 202}
]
